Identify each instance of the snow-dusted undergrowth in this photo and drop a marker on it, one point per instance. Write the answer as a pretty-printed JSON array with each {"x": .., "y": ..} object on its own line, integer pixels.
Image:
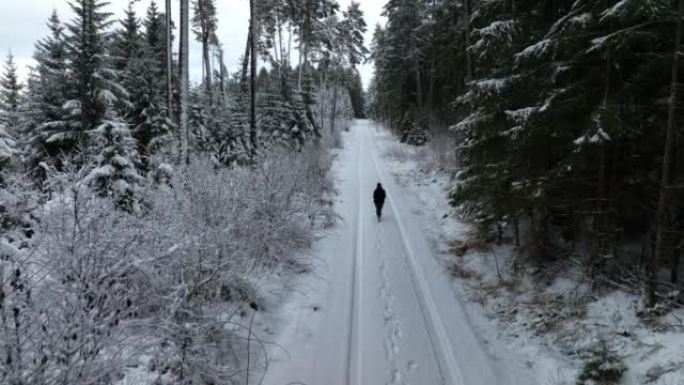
[
  {"x": 96, "y": 295},
  {"x": 558, "y": 325}
]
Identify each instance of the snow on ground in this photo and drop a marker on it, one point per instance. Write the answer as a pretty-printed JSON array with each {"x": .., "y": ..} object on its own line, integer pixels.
[
  {"x": 377, "y": 307},
  {"x": 551, "y": 323}
]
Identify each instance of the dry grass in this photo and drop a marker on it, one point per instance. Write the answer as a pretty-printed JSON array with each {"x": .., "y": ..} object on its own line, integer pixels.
[
  {"x": 457, "y": 270},
  {"x": 441, "y": 148},
  {"x": 460, "y": 248}
]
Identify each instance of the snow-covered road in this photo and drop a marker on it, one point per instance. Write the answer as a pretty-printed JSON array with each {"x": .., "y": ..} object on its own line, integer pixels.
[{"x": 379, "y": 308}]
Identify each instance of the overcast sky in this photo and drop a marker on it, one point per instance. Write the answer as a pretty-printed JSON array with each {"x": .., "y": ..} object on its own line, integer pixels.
[{"x": 23, "y": 22}]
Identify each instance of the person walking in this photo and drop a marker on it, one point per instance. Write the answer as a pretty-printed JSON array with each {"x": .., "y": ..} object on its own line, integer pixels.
[{"x": 379, "y": 196}]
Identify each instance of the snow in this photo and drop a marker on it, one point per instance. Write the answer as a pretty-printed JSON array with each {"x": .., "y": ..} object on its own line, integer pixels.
[
  {"x": 467, "y": 122},
  {"x": 7, "y": 251},
  {"x": 72, "y": 105},
  {"x": 616, "y": 9},
  {"x": 379, "y": 307},
  {"x": 573, "y": 21},
  {"x": 7, "y": 145},
  {"x": 535, "y": 50},
  {"x": 107, "y": 97},
  {"x": 582, "y": 20},
  {"x": 598, "y": 43},
  {"x": 521, "y": 115},
  {"x": 599, "y": 136},
  {"x": 551, "y": 327},
  {"x": 492, "y": 85},
  {"x": 513, "y": 132},
  {"x": 497, "y": 28},
  {"x": 167, "y": 168}
]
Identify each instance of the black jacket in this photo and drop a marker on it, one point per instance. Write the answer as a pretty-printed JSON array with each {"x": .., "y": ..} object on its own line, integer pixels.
[{"x": 379, "y": 195}]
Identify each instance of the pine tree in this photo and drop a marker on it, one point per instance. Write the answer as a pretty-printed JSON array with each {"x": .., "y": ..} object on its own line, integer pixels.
[
  {"x": 353, "y": 27},
  {"x": 127, "y": 43},
  {"x": 142, "y": 75},
  {"x": 276, "y": 116},
  {"x": 400, "y": 50},
  {"x": 184, "y": 76},
  {"x": 168, "y": 56},
  {"x": 254, "y": 37},
  {"x": 350, "y": 49},
  {"x": 115, "y": 175},
  {"x": 10, "y": 94},
  {"x": 48, "y": 95},
  {"x": 8, "y": 150},
  {"x": 94, "y": 90},
  {"x": 205, "y": 24}
]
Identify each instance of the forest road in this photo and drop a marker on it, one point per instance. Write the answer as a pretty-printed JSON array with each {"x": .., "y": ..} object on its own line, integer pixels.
[{"x": 379, "y": 309}]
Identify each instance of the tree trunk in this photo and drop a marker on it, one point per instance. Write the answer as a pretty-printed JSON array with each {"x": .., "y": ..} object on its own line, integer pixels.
[
  {"x": 674, "y": 264},
  {"x": 323, "y": 88},
  {"x": 431, "y": 87},
  {"x": 667, "y": 160},
  {"x": 245, "y": 63},
  {"x": 222, "y": 75},
  {"x": 253, "y": 74},
  {"x": 169, "y": 59},
  {"x": 300, "y": 68},
  {"x": 333, "y": 113},
  {"x": 207, "y": 67},
  {"x": 431, "y": 95},
  {"x": 304, "y": 41},
  {"x": 283, "y": 60},
  {"x": 206, "y": 61},
  {"x": 466, "y": 22},
  {"x": 419, "y": 88},
  {"x": 184, "y": 76},
  {"x": 289, "y": 42},
  {"x": 600, "y": 225}
]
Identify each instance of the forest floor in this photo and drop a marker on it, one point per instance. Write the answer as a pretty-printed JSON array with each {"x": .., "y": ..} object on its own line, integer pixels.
[{"x": 378, "y": 307}]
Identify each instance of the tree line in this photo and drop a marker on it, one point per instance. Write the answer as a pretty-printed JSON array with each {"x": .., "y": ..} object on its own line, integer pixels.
[
  {"x": 112, "y": 97},
  {"x": 566, "y": 122},
  {"x": 140, "y": 213}
]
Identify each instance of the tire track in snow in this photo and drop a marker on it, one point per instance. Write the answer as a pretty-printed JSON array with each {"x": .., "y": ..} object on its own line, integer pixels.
[
  {"x": 449, "y": 368},
  {"x": 354, "y": 352},
  {"x": 392, "y": 323}
]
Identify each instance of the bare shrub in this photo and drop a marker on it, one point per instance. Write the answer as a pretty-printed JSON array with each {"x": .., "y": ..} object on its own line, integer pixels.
[
  {"x": 95, "y": 287},
  {"x": 459, "y": 271},
  {"x": 441, "y": 149},
  {"x": 473, "y": 242}
]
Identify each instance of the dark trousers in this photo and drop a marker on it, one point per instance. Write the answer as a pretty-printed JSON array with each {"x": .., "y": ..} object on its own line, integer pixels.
[{"x": 378, "y": 208}]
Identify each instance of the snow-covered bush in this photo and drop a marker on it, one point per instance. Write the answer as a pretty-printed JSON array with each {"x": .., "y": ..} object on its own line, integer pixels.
[
  {"x": 224, "y": 229},
  {"x": 7, "y": 148},
  {"x": 17, "y": 209},
  {"x": 178, "y": 276},
  {"x": 66, "y": 291},
  {"x": 603, "y": 367},
  {"x": 116, "y": 174}
]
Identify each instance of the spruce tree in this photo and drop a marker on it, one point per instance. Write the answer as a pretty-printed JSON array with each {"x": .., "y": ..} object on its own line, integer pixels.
[
  {"x": 142, "y": 75},
  {"x": 8, "y": 151},
  {"x": 127, "y": 42},
  {"x": 48, "y": 95},
  {"x": 115, "y": 174},
  {"x": 10, "y": 94},
  {"x": 94, "y": 89},
  {"x": 154, "y": 43}
]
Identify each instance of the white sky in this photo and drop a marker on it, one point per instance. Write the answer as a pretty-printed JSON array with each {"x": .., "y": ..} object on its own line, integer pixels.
[{"x": 23, "y": 22}]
